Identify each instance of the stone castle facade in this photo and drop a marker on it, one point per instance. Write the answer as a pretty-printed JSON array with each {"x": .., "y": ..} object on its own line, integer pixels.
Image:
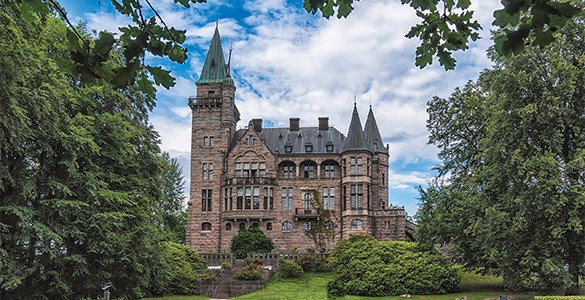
[{"x": 271, "y": 177}]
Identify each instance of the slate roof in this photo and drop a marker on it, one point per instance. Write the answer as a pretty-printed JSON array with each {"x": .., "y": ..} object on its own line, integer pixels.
[
  {"x": 372, "y": 135},
  {"x": 214, "y": 69},
  {"x": 277, "y": 138},
  {"x": 355, "y": 134}
]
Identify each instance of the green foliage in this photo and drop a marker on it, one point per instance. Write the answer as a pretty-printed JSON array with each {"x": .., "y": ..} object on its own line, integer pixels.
[
  {"x": 448, "y": 25},
  {"x": 80, "y": 172},
  {"x": 172, "y": 214},
  {"x": 177, "y": 270},
  {"x": 251, "y": 271},
  {"x": 289, "y": 268},
  {"x": 509, "y": 195},
  {"x": 368, "y": 267},
  {"x": 251, "y": 240},
  {"x": 311, "y": 262},
  {"x": 559, "y": 297}
]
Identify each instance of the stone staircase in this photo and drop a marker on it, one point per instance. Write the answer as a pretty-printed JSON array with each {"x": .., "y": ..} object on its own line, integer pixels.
[{"x": 223, "y": 290}]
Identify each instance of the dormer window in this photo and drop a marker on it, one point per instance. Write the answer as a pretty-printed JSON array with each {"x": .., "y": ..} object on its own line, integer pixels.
[
  {"x": 287, "y": 149},
  {"x": 308, "y": 148},
  {"x": 329, "y": 148}
]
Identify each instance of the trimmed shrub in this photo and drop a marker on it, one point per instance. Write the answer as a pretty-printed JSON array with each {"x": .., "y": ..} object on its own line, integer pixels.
[
  {"x": 311, "y": 262},
  {"x": 559, "y": 297},
  {"x": 176, "y": 272},
  {"x": 252, "y": 270},
  {"x": 368, "y": 267},
  {"x": 289, "y": 269},
  {"x": 251, "y": 240}
]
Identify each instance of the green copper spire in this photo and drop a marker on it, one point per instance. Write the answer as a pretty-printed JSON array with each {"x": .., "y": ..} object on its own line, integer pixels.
[{"x": 214, "y": 69}]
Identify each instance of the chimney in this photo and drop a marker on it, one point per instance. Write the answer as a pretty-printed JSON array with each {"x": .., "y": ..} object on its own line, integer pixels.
[
  {"x": 294, "y": 124},
  {"x": 257, "y": 123},
  {"x": 323, "y": 123}
]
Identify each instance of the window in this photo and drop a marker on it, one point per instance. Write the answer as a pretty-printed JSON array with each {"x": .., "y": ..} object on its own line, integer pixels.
[
  {"x": 207, "y": 171},
  {"x": 383, "y": 179},
  {"x": 228, "y": 226},
  {"x": 308, "y": 148},
  {"x": 307, "y": 225},
  {"x": 307, "y": 203},
  {"x": 248, "y": 197},
  {"x": 206, "y": 226},
  {"x": 240, "y": 198},
  {"x": 287, "y": 198},
  {"x": 356, "y": 165},
  {"x": 288, "y": 170},
  {"x": 208, "y": 141},
  {"x": 329, "y": 225},
  {"x": 329, "y": 148},
  {"x": 268, "y": 226},
  {"x": 256, "y": 198},
  {"x": 250, "y": 169},
  {"x": 251, "y": 140},
  {"x": 356, "y": 196},
  {"x": 269, "y": 198},
  {"x": 329, "y": 198},
  {"x": 286, "y": 225},
  {"x": 329, "y": 170},
  {"x": 287, "y": 149},
  {"x": 242, "y": 225},
  {"x": 356, "y": 224},
  {"x": 309, "y": 170},
  {"x": 206, "y": 200}
]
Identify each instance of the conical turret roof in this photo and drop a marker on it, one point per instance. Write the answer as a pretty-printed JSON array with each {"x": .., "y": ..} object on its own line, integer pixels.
[
  {"x": 214, "y": 69},
  {"x": 355, "y": 135},
  {"x": 372, "y": 135}
]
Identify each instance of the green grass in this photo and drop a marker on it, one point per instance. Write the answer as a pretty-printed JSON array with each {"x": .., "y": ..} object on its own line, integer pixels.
[{"x": 313, "y": 286}]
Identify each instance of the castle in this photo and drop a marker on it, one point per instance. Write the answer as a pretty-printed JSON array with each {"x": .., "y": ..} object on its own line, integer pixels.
[{"x": 270, "y": 177}]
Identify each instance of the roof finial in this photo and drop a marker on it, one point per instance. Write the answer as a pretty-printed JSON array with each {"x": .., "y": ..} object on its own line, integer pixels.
[
  {"x": 370, "y": 101},
  {"x": 228, "y": 73},
  {"x": 216, "y": 23},
  {"x": 354, "y": 100}
]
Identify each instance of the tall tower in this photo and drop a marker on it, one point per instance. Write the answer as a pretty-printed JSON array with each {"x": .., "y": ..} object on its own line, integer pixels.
[
  {"x": 214, "y": 123},
  {"x": 373, "y": 140},
  {"x": 356, "y": 178}
]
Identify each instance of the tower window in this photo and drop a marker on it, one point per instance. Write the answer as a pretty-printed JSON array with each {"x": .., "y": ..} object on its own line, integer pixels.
[
  {"x": 206, "y": 200},
  {"x": 356, "y": 165},
  {"x": 208, "y": 141},
  {"x": 356, "y": 196},
  {"x": 206, "y": 226},
  {"x": 287, "y": 149},
  {"x": 207, "y": 172}
]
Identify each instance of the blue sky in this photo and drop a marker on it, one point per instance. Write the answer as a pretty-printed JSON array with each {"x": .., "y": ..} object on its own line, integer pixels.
[{"x": 289, "y": 63}]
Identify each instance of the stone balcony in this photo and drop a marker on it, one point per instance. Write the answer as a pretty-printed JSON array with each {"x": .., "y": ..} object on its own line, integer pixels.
[
  {"x": 310, "y": 213},
  {"x": 200, "y": 102},
  {"x": 250, "y": 181}
]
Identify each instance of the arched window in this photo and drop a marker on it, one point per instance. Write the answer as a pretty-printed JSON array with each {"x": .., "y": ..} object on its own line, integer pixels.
[
  {"x": 255, "y": 225},
  {"x": 356, "y": 224},
  {"x": 286, "y": 225},
  {"x": 309, "y": 169},
  {"x": 329, "y": 225},
  {"x": 268, "y": 226},
  {"x": 206, "y": 226},
  {"x": 287, "y": 169},
  {"x": 307, "y": 225},
  {"x": 242, "y": 226},
  {"x": 228, "y": 226}
]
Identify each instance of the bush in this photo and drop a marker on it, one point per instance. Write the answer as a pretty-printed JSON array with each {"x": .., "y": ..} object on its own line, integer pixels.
[
  {"x": 311, "y": 262},
  {"x": 252, "y": 270},
  {"x": 251, "y": 240},
  {"x": 176, "y": 272},
  {"x": 368, "y": 267},
  {"x": 289, "y": 269}
]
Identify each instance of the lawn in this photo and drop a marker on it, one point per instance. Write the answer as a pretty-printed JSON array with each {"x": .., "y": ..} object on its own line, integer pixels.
[{"x": 313, "y": 286}]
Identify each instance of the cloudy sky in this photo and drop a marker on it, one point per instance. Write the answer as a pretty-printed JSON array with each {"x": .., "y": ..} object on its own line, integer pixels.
[{"x": 289, "y": 63}]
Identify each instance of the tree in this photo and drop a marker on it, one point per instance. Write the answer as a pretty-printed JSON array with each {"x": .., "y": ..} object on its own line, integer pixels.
[
  {"x": 510, "y": 193},
  {"x": 173, "y": 215},
  {"x": 251, "y": 240},
  {"x": 80, "y": 173},
  {"x": 448, "y": 25}
]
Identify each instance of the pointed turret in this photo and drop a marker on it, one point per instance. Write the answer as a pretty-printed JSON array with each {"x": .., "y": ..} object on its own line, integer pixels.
[
  {"x": 214, "y": 69},
  {"x": 355, "y": 135},
  {"x": 372, "y": 135}
]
